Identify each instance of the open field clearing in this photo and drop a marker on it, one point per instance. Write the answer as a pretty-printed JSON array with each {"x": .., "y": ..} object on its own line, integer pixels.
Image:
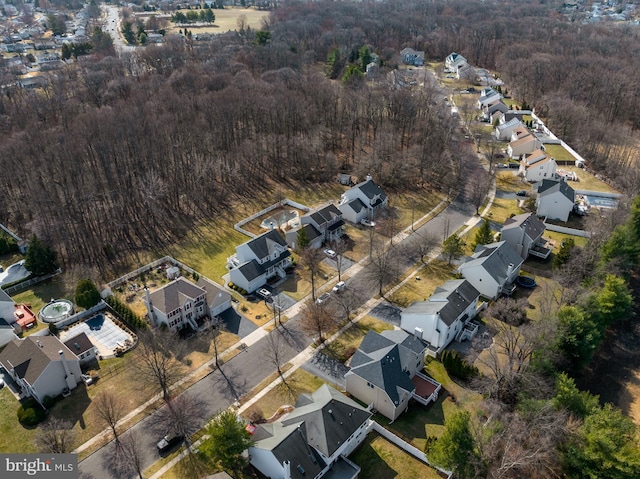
[{"x": 227, "y": 20}]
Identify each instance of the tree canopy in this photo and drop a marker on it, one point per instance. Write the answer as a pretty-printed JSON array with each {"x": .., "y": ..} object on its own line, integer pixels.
[
  {"x": 40, "y": 259},
  {"x": 87, "y": 294},
  {"x": 228, "y": 439}
]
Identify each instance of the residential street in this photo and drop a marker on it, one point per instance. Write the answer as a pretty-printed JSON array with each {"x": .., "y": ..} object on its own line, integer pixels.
[{"x": 249, "y": 368}]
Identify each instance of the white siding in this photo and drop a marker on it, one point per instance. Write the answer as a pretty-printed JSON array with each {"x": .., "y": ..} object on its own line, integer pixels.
[
  {"x": 266, "y": 463},
  {"x": 482, "y": 281}
]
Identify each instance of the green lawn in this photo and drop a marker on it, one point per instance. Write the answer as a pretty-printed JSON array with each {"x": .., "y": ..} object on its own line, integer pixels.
[
  {"x": 380, "y": 459},
  {"x": 558, "y": 152},
  {"x": 349, "y": 341},
  {"x": 13, "y": 436},
  {"x": 431, "y": 276},
  {"x": 502, "y": 209}
]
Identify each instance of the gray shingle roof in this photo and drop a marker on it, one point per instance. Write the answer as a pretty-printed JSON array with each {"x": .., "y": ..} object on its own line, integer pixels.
[
  {"x": 329, "y": 420},
  {"x": 4, "y": 297},
  {"x": 548, "y": 187},
  {"x": 265, "y": 244},
  {"x": 370, "y": 189},
  {"x": 252, "y": 269},
  {"x": 31, "y": 356},
  {"x": 495, "y": 258},
  {"x": 356, "y": 205},
  {"x": 173, "y": 295},
  {"x": 79, "y": 344},
  {"x": 532, "y": 225},
  {"x": 325, "y": 215},
  {"x": 216, "y": 296}
]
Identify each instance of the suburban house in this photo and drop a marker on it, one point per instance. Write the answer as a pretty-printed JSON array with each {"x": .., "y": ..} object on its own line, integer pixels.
[
  {"x": 362, "y": 201},
  {"x": 7, "y": 307},
  {"x": 492, "y": 108},
  {"x": 488, "y": 95},
  {"x": 492, "y": 269},
  {"x": 524, "y": 234},
  {"x": 555, "y": 200},
  {"x": 7, "y": 332},
  {"x": 260, "y": 259},
  {"x": 445, "y": 316},
  {"x": 181, "y": 303},
  {"x": 454, "y": 61},
  {"x": 313, "y": 440},
  {"x": 42, "y": 366},
  {"x": 83, "y": 348},
  {"x": 523, "y": 145},
  {"x": 412, "y": 57},
  {"x": 504, "y": 131},
  {"x": 536, "y": 166},
  {"x": 385, "y": 373},
  {"x": 324, "y": 224}
]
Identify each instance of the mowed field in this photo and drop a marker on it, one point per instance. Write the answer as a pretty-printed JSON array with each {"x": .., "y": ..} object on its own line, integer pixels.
[{"x": 227, "y": 20}]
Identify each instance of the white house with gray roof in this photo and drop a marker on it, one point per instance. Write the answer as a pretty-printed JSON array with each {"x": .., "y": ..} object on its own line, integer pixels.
[
  {"x": 524, "y": 234},
  {"x": 492, "y": 269},
  {"x": 320, "y": 225},
  {"x": 385, "y": 373},
  {"x": 313, "y": 440},
  {"x": 504, "y": 131},
  {"x": 260, "y": 259},
  {"x": 41, "y": 366},
  {"x": 454, "y": 62},
  {"x": 362, "y": 201},
  {"x": 555, "y": 200},
  {"x": 443, "y": 317},
  {"x": 181, "y": 303}
]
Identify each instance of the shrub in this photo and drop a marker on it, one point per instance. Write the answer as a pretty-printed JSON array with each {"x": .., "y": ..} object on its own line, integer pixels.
[
  {"x": 48, "y": 402},
  {"x": 30, "y": 414},
  {"x": 458, "y": 367},
  {"x": 230, "y": 284}
]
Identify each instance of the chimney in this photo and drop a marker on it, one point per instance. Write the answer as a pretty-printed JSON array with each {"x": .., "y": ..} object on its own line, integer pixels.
[
  {"x": 418, "y": 332},
  {"x": 369, "y": 178},
  {"x": 39, "y": 343},
  {"x": 64, "y": 363},
  {"x": 271, "y": 225},
  {"x": 149, "y": 306},
  {"x": 286, "y": 465},
  {"x": 510, "y": 270}
]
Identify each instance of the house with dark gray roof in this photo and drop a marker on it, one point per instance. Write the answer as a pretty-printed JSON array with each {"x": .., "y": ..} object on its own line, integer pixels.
[
  {"x": 555, "y": 200},
  {"x": 83, "y": 348},
  {"x": 362, "y": 201},
  {"x": 317, "y": 436},
  {"x": 385, "y": 373},
  {"x": 504, "y": 131},
  {"x": 524, "y": 234},
  {"x": 181, "y": 303},
  {"x": 41, "y": 366},
  {"x": 445, "y": 316},
  {"x": 320, "y": 225},
  {"x": 7, "y": 307},
  {"x": 260, "y": 259},
  {"x": 412, "y": 57},
  {"x": 492, "y": 269}
]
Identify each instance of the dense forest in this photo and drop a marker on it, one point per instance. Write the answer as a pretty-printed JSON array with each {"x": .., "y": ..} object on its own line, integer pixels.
[{"x": 122, "y": 154}]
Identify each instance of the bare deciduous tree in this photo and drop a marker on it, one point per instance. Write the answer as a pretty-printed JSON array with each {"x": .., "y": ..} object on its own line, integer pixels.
[
  {"x": 421, "y": 245},
  {"x": 276, "y": 354},
  {"x": 310, "y": 258},
  {"x": 127, "y": 459},
  {"x": 157, "y": 358},
  {"x": 55, "y": 436},
  {"x": 316, "y": 320},
  {"x": 182, "y": 415},
  {"x": 340, "y": 247},
  {"x": 110, "y": 408},
  {"x": 382, "y": 266}
]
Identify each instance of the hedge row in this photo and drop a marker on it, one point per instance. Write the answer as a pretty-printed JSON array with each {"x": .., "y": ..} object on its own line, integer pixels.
[
  {"x": 237, "y": 288},
  {"x": 126, "y": 313},
  {"x": 458, "y": 367}
]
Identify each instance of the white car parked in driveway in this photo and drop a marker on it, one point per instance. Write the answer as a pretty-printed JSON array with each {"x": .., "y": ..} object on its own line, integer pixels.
[
  {"x": 330, "y": 253},
  {"x": 367, "y": 222}
]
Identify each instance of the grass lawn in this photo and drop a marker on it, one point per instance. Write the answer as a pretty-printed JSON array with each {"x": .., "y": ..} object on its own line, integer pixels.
[
  {"x": 559, "y": 152},
  {"x": 346, "y": 345},
  {"x": 227, "y": 20},
  {"x": 40, "y": 294},
  {"x": 414, "y": 204},
  {"x": 431, "y": 276},
  {"x": 502, "y": 209},
  {"x": 509, "y": 181},
  {"x": 380, "y": 459},
  {"x": 300, "y": 382},
  {"x": 587, "y": 181},
  {"x": 14, "y": 438},
  {"x": 7, "y": 260}
]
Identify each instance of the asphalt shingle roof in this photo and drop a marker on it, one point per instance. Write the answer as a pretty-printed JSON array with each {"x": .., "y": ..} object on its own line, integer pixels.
[
  {"x": 216, "y": 296},
  {"x": 548, "y": 187},
  {"x": 173, "y": 295},
  {"x": 31, "y": 356},
  {"x": 265, "y": 244},
  {"x": 79, "y": 344},
  {"x": 370, "y": 189},
  {"x": 324, "y": 215},
  {"x": 532, "y": 225},
  {"x": 495, "y": 258}
]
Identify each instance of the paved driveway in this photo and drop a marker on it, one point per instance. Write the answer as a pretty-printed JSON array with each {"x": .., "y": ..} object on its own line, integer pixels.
[
  {"x": 236, "y": 323},
  {"x": 327, "y": 368},
  {"x": 387, "y": 312}
]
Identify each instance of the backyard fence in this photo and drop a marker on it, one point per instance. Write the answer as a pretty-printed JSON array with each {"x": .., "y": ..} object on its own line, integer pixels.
[
  {"x": 18, "y": 288},
  {"x": 568, "y": 231},
  {"x": 239, "y": 225},
  {"x": 148, "y": 267},
  {"x": 82, "y": 315}
]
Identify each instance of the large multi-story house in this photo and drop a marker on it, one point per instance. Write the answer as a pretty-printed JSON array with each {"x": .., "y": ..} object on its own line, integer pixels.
[
  {"x": 444, "y": 317},
  {"x": 385, "y": 373},
  {"x": 322, "y": 225},
  {"x": 260, "y": 259},
  {"x": 181, "y": 303},
  {"x": 41, "y": 366},
  {"x": 362, "y": 201},
  {"x": 312, "y": 441}
]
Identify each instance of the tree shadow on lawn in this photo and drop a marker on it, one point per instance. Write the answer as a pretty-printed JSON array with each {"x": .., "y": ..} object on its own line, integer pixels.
[
  {"x": 371, "y": 462},
  {"x": 231, "y": 383},
  {"x": 73, "y": 408}
]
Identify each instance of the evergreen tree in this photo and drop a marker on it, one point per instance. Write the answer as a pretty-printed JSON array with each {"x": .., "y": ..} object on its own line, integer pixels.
[
  {"x": 453, "y": 247},
  {"x": 483, "y": 235},
  {"x": 365, "y": 57},
  {"x": 228, "y": 439},
  {"x": 40, "y": 259},
  {"x": 302, "y": 238},
  {"x": 455, "y": 449},
  {"x": 87, "y": 294}
]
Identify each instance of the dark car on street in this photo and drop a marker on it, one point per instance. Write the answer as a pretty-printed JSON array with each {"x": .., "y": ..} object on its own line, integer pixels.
[{"x": 168, "y": 442}]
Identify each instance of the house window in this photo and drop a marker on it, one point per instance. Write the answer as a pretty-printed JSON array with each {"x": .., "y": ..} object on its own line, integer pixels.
[{"x": 370, "y": 385}]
